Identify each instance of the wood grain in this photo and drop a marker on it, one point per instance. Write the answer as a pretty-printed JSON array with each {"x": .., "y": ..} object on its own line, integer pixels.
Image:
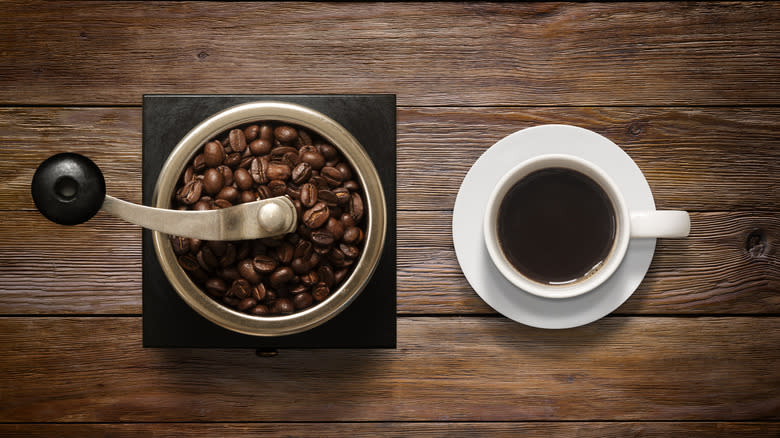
[
  {"x": 429, "y": 54},
  {"x": 694, "y": 159},
  {"x": 445, "y": 369},
  {"x": 95, "y": 268},
  {"x": 401, "y": 430}
]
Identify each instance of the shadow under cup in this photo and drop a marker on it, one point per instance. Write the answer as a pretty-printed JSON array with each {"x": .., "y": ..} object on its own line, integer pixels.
[{"x": 556, "y": 226}]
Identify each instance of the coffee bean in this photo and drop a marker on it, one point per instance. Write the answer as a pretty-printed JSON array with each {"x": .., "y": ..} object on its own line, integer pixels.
[
  {"x": 321, "y": 250},
  {"x": 237, "y": 140},
  {"x": 328, "y": 197},
  {"x": 281, "y": 276},
  {"x": 299, "y": 289},
  {"x": 215, "y": 286},
  {"x": 316, "y": 216},
  {"x": 258, "y": 170},
  {"x": 229, "y": 273},
  {"x": 291, "y": 159},
  {"x": 188, "y": 262},
  {"x": 300, "y": 265},
  {"x": 247, "y": 271},
  {"x": 207, "y": 259},
  {"x": 278, "y": 153},
  {"x": 303, "y": 249},
  {"x": 199, "y": 163},
  {"x": 227, "y": 174},
  {"x": 327, "y": 151},
  {"x": 286, "y": 134},
  {"x": 222, "y": 203},
  {"x": 353, "y": 235},
  {"x": 302, "y": 300},
  {"x": 247, "y": 303},
  {"x": 190, "y": 193},
  {"x": 266, "y": 131},
  {"x": 259, "y": 292},
  {"x": 334, "y": 227},
  {"x": 213, "y": 181},
  {"x": 260, "y": 310},
  {"x": 231, "y": 301},
  {"x": 181, "y": 245},
  {"x": 293, "y": 192},
  {"x": 319, "y": 182},
  {"x": 248, "y": 196},
  {"x": 284, "y": 253},
  {"x": 270, "y": 295},
  {"x": 346, "y": 171},
  {"x": 342, "y": 195},
  {"x": 277, "y": 171},
  {"x": 301, "y": 173},
  {"x": 228, "y": 193},
  {"x": 322, "y": 238},
  {"x": 309, "y": 195},
  {"x": 340, "y": 275},
  {"x": 298, "y": 207},
  {"x": 189, "y": 174},
  {"x": 195, "y": 245},
  {"x": 213, "y": 154},
  {"x": 346, "y": 220},
  {"x": 261, "y": 146},
  {"x": 251, "y": 132},
  {"x": 263, "y": 192},
  {"x": 229, "y": 257},
  {"x": 351, "y": 185},
  {"x": 356, "y": 207},
  {"x": 310, "y": 278},
  {"x": 325, "y": 273},
  {"x": 243, "y": 179},
  {"x": 320, "y": 291},
  {"x": 333, "y": 175},
  {"x": 315, "y": 159},
  {"x": 350, "y": 251},
  {"x": 283, "y": 306},
  {"x": 264, "y": 264},
  {"x": 240, "y": 289}
]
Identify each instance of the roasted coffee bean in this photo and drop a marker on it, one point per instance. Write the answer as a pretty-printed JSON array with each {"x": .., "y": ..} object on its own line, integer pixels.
[
  {"x": 356, "y": 207},
  {"x": 335, "y": 212},
  {"x": 270, "y": 295},
  {"x": 284, "y": 253},
  {"x": 181, "y": 245},
  {"x": 340, "y": 275},
  {"x": 278, "y": 153},
  {"x": 207, "y": 258},
  {"x": 240, "y": 289},
  {"x": 251, "y": 132},
  {"x": 213, "y": 181},
  {"x": 190, "y": 193},
  {"x": 247, "y": 303},
  {"x": 301, "y": 173},
  {"x": 351, "y": 185},
  {"x": 286, "y": 134},
  {"x": 302, "y": 300},
  {"x": 215, "y": 286},
  {"x": 334, "y": 227},
  {"x": 316, "y": 216},
  {"x": 246, "y": 161},
  {"x": 328, "y": 197},
  {"x": 337, "y": 258},
  {"x": 304, "y": 138},
  {"x": 247, "y": 270},
  {"x": 314, "y": 260},
  {"x": 333, "y": 175},
  {"x": 303, "y": 249},
  {"x": 321, "y": 250},
  {"x": 278, "y": 171},
  {"x": 261, "y": 146},
  {"x": 202, "y": 205},
  {"x": 298, "y": 207},
  {"x": 347, "y": 220},
  {"x": 352, "y": 235},
  {"x": 346, "y": 171},
  {"x": 319, "y": 182},
  {"x": 258, "y": 292},
  {"x": 277, "y": 187},
  {"x": 227, "y": 174},
  {"x": 294, "y": 192},
  {"x": 243, "y": 179},
  {"x": 189, "y": 174},
  {"x": 229, "y": 257},
  {"x": 350, "y": 251},
  {"x": 199, "y": 163},
  {"x": 188, "y": 262},
  {"x": 266, "y": 131},
  {"x": 248, "y": 196},
  {"x": 281, "y": 276},
  {"x": 291, "y": 159},
  {"x": 229, "y": 273},
  {"x": 222, "y": 203},
  {"x": 231, "y": 301},
  {"x": 263, "y": 192},
  {"x": 342, "y": 195},
  {"x": 320, "y": 291},
  {"x": 195, "y": 245},
  {"x": 299, "y": 289},
  {"x": 260, "y": 310},
  {"x": 228, "y": 193},
  {"x": 283, "y": 306},
  {"x": 325, "y": 273},
  {"x": 264, "y": 264},
  {"x": 327, "y": 151},
  {"x": 233, "y": 160},
  {"x": 309, "y": 195},
  {"x": 300, "y": 265},
  {"x": 322, "y": 238},
  {"x": 237, "y": 140},
  {"x": 213, "y": 154},
  {"x": 315, "y": 159},
  {"x": 258, "y": 170},
  {"x": 310, "y": 278}
]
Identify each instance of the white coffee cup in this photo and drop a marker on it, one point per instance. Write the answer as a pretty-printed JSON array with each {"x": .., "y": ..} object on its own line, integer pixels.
[{"x": 628, "y": 225}]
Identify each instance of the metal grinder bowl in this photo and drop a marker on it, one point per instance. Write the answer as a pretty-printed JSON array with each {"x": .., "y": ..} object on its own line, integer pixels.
[{"x": 375, "y": 219}]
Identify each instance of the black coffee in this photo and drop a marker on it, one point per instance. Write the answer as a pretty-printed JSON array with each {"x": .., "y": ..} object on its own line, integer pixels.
[{"x": 556, "y": 225}]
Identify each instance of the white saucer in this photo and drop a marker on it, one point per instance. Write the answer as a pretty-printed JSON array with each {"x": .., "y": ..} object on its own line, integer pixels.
[{"x": 487, "y": 281}]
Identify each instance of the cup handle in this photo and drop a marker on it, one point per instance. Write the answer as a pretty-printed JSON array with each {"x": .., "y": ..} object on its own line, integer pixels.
[{"x": 664, "y": 223}]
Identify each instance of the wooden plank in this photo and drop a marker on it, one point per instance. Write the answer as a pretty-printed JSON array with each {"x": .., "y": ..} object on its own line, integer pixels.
[
  {"x": 401, "y": 430},
  {"x": 445, "y": 369},
  {"x": 429, "y": 54},
  {"x": 695, "y": 159},
  {"x": 96, "y": 267}
]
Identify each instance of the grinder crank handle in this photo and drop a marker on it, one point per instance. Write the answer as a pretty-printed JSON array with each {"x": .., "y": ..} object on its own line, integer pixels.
[{"x": 69, "y": 189}]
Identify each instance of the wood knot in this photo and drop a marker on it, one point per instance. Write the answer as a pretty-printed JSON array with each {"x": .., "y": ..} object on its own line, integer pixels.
[
  {"x": 756, "y": 244},
  {"x": 203, "y": 54},
  {"x": 83, "y": 35},
  {"x": 266, "y": 352},
  {"x": 636, "y": 128}
]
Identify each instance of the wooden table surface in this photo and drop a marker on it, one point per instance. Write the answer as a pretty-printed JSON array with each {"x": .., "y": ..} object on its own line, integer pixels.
[{"x": 690, "y": 91}]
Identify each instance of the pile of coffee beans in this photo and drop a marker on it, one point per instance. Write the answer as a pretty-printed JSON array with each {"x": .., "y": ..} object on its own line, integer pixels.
[{"x": 283, "y": 275}]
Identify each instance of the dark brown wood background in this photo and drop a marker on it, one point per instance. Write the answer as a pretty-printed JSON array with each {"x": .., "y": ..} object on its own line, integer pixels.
[{"x": 690, "y": 91}]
